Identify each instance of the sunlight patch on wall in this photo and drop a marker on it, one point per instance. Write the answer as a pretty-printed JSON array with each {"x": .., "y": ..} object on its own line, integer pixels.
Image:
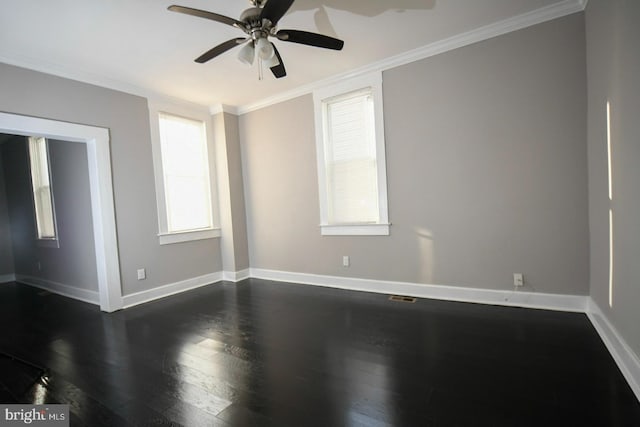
[
  {"x": 426, "y": 254},
  {"x": 609, "y": 172}
]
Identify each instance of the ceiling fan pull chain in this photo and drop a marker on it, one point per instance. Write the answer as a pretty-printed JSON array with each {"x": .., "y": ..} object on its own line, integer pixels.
[{"x": 260, "y": 76}]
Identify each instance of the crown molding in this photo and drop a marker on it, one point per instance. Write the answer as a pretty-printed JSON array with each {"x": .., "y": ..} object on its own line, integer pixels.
[
  {"x": 547, "y": 13},
  {"x": 222, "y": 108},
  {"x": 90, "y": 78},
  {"x": 538, "y": 16}
]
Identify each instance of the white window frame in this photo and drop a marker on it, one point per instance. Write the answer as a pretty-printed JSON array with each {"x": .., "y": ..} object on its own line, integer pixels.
[
  {"x": 164, "y": 236},
  {"x": 381, "y": 228},
  {"x": 46, "y": 242}
]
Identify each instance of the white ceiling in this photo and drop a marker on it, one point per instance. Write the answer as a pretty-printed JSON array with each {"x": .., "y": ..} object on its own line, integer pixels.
[{"x": 140, "y": 47}]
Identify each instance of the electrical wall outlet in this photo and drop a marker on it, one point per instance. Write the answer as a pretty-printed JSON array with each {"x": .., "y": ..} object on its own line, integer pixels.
[
  {"x": 345, "y": 261},
  {"x": 518, "y": 279},
  {"x": 142, "y": 274}
]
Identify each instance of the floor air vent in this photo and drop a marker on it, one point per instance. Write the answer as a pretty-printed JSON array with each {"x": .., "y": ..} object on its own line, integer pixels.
[{"x": 401, "y": 298}]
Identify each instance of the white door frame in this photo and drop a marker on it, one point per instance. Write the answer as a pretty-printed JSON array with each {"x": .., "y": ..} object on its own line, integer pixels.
[{"x": 101, "y": 189}]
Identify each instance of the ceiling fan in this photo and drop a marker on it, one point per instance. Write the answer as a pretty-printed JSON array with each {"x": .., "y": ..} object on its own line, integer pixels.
[{"x": 259, "y": 23}]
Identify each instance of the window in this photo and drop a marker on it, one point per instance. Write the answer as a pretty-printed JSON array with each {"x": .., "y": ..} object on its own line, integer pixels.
[
  {"x": 351, "y": 158},
  {"x": 186, "y": 174},
  {"x": 41, "y": 186},
  {"x": 184, "y": 187}
]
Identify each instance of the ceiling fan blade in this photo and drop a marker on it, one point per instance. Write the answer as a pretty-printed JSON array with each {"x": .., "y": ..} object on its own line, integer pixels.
[
  {"x": 311, "y": 39},
  {"x": 221, "y": 48},
  {"x": 278, "y": 70},
  {"x": 275, "y": 9},
  {"x": 207, "y": 15}
]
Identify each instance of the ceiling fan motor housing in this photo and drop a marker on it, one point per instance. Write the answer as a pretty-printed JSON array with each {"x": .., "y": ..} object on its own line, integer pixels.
[
  {"x": 259, "y": 23},
  {"x": 251, "y": 16}
]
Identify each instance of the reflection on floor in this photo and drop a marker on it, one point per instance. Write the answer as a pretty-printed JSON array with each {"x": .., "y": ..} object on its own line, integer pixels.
[{"x": 262, "y": 353}]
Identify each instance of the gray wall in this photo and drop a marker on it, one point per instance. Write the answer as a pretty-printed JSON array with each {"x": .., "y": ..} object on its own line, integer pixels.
[
  {"x": 238, "y": 209},
  {"x": 486, "y": 162},
  {"x": 16, "y": 166},
  {"x": 613, "y": 68},
  {"x": 235, "y": 253},
  {"x": 127, "y": 118},
  {"x": 73, "y": 263},
  {"x": 6, "y": 250}
]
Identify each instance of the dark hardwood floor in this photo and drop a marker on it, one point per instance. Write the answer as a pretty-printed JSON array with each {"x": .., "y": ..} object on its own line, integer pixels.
[{"x": 270, "y": 354}]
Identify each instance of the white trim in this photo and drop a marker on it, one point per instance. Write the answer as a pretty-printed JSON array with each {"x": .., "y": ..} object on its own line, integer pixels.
[
  {"x": 222, "y": 108},
  {"x": 36, "y": 64},
  {"x": 46, "y": 242},
  {"x": 236, "y": 276},
  {"x": 69, "y": 291},
  {"x": 187, "y": 236},
  {"x": 547, "y": 13},
  {"x": 354, "y": 229},
  {"x": 538, "y": 16},
  {"x": 628, "y": 362},
  {"x": 624, "y": 356},
  {"x": 170, "y": 289},
  {"x": 372, "y": 82},
  {"x": 572, "y": 303},
  {"x": 6, "y": 278},
  {"x": 193, "y": 113},
  {"x": 101, "y": 191}
]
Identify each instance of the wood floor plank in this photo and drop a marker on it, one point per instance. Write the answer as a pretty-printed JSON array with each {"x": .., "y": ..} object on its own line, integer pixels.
[{"x": 262, "y": 353}]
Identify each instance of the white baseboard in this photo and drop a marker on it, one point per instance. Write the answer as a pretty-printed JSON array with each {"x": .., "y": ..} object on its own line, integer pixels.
[
  {"x": 6, "y": 278},
  {"x": 85, "y": 295},
  {"x": 170, "y": 289},
  {"x": 625, "y": 357},
  {"x": 236, "y": 276},
  {"x": 573, "y": 303}
]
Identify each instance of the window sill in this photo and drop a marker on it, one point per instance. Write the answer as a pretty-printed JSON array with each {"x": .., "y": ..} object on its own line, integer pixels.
[
  {"x": 187, "y": 236},
  {"x": 48, "y": 243},
  {"x": 355, "y": 230}
]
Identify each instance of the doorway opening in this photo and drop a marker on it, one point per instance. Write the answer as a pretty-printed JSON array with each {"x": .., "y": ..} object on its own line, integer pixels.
[{"x": 101, "y": 191}]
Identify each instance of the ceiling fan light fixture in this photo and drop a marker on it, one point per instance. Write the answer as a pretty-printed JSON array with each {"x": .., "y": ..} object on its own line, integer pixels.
[
  {"x": 258, "y": 23},
  {"x": 247, "y": 54},
  {"x": 264, "y": 49},
  {"x": 271, "y": 62}
]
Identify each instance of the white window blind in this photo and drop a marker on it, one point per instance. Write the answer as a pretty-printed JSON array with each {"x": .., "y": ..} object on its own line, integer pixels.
[
  {"x": 350, "y": 148},
  {"x": 41, "y": 185},
  {"x": 186, "y": 173},
  {"x": 350, "y": 159}
]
